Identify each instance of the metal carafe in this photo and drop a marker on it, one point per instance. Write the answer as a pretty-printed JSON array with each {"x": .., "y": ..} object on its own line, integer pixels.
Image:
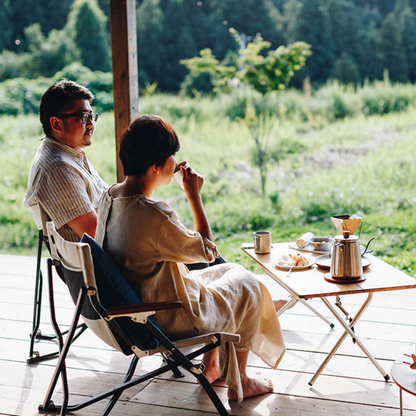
[{"x": 346, "y": 257}]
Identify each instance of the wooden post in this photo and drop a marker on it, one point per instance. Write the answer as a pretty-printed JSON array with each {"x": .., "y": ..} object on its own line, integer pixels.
[{"x": 125, "y": 70}]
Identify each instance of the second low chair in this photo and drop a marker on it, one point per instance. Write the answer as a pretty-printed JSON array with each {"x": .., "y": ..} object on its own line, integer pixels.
[
  {"x": 41, "y": 217},
  {"x": 112, "y": 310}
]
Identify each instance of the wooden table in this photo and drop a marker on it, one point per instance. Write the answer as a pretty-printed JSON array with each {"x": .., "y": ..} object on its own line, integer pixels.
[
  {"x": 404, "y": 377},
  {"x": 310, "y": 283}
]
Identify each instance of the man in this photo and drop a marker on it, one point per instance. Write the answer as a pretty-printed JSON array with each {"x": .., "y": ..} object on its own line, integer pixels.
[{"x": 61, "y": 179}]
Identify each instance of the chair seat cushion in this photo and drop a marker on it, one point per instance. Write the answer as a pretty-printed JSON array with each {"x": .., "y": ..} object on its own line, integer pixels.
[{"x": 114, "y": 290}]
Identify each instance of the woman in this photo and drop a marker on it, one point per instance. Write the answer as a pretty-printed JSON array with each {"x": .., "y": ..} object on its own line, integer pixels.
[{"x": 149, "y": 244}]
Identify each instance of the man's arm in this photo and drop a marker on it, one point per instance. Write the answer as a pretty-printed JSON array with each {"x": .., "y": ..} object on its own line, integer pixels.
[{"x": 86, "y": 223}]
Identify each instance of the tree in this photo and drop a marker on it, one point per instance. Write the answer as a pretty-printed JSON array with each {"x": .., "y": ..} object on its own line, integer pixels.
[
  {"x": 291, "y": 10},
  {"x": 45, "y": 56},
  {"x": 199, "y": 22},
  {"x": 53, "y": 15},
  {"x": 21, "y": 15},
  {"x": 394, "y": 53},
  {"x": 271, "y": 72},
  {"x": 206, "y": 74},
  {"x": 150, "y": 48},
  {"x": 371, "y": 58},
  {"x": 259, "y": 127},
  {"x": 16, "y": 15},
  {"x": 407, "y": 22},
  {"x": 345, "y": 69},
  {"x": 313, "y": 26},
  {"x": 87, "y": 27},
  {"x": 251, "y": 17},
  {"x": 49, "y": 55},
  {"x": 178, "y": 43},
  {"x": 383, "y": 6},
  {"x": 345, "y": 28},
  {"x": 6, "y": 35}
]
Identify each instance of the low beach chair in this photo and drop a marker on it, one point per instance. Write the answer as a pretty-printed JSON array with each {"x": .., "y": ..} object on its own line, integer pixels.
[{"x": 112, "y": 310}]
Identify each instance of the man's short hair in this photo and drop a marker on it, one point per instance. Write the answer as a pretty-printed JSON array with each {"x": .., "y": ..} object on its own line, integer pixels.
[
  {"x": 146, "y": 142},
  {"x": 60, "y": 98}
]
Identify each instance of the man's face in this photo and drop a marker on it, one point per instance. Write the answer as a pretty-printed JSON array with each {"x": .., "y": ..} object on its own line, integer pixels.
[{"x": 74, "y": 132}]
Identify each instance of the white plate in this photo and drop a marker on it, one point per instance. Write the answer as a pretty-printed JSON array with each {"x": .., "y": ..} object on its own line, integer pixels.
[{"x": 282, "y": 267}]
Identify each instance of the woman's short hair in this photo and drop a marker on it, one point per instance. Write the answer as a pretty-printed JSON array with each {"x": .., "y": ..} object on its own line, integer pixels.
[
  {"x": 60, "y": 98},
  {"x": 146, "y": 142}
]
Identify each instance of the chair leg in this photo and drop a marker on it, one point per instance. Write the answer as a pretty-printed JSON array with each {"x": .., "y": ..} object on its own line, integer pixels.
[
  {"x": 186, "y": 363},
  {"x": 37, "y": 302},
  {"x": 60, "y": 369},
  {"x": 34, "y": 356},
  {"x": 199, "y": 375},
  {"x": 212, "y": 394},
  {"x": 175, "y": 370},
  {"x": 116, "y": 396}
]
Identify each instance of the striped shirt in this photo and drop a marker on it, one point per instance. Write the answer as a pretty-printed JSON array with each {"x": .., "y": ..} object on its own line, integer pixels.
[{"x": 65, "y": 183}]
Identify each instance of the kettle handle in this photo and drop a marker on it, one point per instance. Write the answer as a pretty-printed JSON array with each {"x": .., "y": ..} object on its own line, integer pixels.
[{"x": 334, "y": 243}]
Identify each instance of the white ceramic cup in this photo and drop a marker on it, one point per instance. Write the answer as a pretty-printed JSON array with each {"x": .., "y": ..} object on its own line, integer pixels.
[
  {"x": 178, "y": 175},
  {"x": 262, "y": 242}
]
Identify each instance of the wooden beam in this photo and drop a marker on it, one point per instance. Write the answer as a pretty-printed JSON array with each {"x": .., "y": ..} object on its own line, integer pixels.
[{"x": 125, "y": 70}]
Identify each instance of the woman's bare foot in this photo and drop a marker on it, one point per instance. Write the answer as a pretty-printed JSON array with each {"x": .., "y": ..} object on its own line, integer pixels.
[
  {"x": 212, "y": 373},
  {"x": 252, "y": 387},
  {"x": 212, "y": 368},
  {"x": 278, "y": 304}
]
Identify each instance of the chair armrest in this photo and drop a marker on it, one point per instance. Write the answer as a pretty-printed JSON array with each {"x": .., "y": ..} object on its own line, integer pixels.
[{"x": 118, "y": 311}]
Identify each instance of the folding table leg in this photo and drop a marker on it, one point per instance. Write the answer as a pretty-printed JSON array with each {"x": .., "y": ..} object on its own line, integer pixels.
[
  {"x": 353, "y": 335},
  {"x": 295, "y": 299},
  {"x": 401, "y": 401},
  {"x": 288, "y": 305},
  {"x": 303, "y": 301}
]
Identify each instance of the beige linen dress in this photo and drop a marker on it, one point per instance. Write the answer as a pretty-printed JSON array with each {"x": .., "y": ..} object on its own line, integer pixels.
[{"x": 149, "y": 244}]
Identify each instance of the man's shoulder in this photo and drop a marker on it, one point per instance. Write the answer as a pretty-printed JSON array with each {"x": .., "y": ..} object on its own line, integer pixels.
[{"x": 50, "y": 157}]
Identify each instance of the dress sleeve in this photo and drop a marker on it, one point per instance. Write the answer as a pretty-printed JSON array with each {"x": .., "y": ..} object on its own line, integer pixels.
[
  {"x": 64, "y": 195},
  {"x": 178, "y": 244}
]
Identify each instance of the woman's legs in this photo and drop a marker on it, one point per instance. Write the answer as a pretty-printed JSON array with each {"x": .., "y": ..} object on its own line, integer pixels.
[{"x": 251, "y": 386}]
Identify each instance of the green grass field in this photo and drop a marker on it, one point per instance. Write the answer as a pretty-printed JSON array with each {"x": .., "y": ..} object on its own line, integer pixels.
[{"x": 361, "y": 164}]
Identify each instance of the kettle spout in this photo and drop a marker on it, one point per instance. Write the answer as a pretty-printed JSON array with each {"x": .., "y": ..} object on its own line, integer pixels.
[{"x": 366, "y": 247}]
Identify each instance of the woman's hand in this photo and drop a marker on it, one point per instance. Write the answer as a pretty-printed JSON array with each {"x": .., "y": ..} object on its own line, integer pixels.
[
  {"x": 192, "y": 185},
  {"x": 192, "y": 182}
]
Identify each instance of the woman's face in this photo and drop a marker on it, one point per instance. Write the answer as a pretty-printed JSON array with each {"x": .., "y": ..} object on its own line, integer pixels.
[{"x": 168, "y": 169}]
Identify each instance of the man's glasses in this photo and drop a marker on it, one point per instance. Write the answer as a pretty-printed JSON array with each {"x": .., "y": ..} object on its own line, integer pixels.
[{"x": 85, "y": 117}]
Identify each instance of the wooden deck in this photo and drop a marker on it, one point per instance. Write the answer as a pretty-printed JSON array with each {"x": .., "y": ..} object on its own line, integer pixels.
[{"x": 349, "y": 385}]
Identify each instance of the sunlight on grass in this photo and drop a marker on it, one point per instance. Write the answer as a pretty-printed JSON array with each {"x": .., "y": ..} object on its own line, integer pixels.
[{"x": 361, "y": 164}]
